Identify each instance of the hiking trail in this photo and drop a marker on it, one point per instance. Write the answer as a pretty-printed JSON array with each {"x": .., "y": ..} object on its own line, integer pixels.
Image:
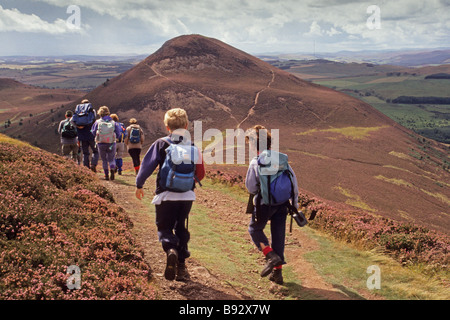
[
  {"x": 210, "y": 283},
  {"x": 251, "y": 111}
]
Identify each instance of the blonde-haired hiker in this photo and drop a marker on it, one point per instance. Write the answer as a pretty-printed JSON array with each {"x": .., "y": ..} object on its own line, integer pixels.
[
  {"x": 174, "y": 196},
  {"x": 106, "y": 132}
]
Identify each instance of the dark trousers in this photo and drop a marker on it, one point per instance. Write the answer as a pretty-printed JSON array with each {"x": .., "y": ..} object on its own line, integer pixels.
[
  {"x": 277, "y": 216},
  {"x": 171, "y": 222},
  {"x": 85, "y": 145},
  {"x": 135, "y": 156}
]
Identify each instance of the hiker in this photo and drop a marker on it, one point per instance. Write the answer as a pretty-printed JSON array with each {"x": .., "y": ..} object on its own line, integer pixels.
[
  {"x": 174, "y": 197},
  {"x": 274, "y": 211},
  {"x": 120, "y": 144},
  {"x": 106, "y": 132},
  {"x": 84, "y": 118},
  {"x": 134, "y": 140},
  {"x": 69, "y": 136}
]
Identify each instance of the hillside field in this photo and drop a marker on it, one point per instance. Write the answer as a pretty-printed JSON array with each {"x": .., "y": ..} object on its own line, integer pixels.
[{"x": 379, "y": 85}]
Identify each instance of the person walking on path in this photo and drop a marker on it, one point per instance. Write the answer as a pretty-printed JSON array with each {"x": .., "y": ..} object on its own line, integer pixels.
[
  {"x": 106, "y": 132},
  {"x": 172, "y": 207},
  {"x": 274, "y": 211},
  {"x": 69, "y": 137},
  {"x": 134, "y": 140},
  {"x": 87, "y": 139},
  {"x": 120, "y": 144}
]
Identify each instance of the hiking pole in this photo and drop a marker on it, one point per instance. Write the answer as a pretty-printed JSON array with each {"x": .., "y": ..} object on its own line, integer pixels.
[{"x": 290, "y": 225}]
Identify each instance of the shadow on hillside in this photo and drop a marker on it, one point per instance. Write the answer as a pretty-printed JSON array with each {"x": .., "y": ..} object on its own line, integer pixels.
[{"x": 303, "y": 293}]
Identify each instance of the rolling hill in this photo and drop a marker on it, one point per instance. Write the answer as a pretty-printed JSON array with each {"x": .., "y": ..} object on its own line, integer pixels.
[
  {"x": 342, "y": 149},
  {"x": 31, "y": 113}
]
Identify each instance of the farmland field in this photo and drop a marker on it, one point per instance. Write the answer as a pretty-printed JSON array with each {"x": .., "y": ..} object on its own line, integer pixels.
[
  {"x": 379, "y": 85},
  {"x": 66, "y": 72}
]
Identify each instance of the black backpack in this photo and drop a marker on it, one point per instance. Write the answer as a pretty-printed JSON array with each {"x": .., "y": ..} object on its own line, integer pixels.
[{"x": 68, "y": 130}]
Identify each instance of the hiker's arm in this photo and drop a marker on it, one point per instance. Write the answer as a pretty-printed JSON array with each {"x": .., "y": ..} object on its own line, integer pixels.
[
  {"x": 139, "y": 193},
  {"x": 295, "y": 185},
  {"x": 94, "y": 128},
  {"x": 149, "y": 163},
  {"x": 251, "y": 179},
  {"x": 200, "y": 167},
  {"x": 60, "y": 127},
  {"x": 117, "y": 131},
  {"x": 127, "y": 133}
]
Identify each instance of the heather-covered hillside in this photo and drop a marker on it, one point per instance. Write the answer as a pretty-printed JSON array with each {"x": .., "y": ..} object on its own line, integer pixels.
[{"x": 54, "y": 214}]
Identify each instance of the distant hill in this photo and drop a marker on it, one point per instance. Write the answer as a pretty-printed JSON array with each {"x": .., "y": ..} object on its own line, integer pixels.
[
  {"x": 342, "y": 149},
  {"x": 31, "y": 113},
  {"x": 405, "y": 58}
]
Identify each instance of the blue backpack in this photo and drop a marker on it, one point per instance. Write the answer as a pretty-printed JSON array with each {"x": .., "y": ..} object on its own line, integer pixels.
[
  {"x": 135, "y": 135},
  {"x": 276, "y": 186},
  {"x": 84, "y": 114},
  {"x": 123, "y": 132},
  {"x": 177, "y": 173},
  {"x": 275, "y": 178}
]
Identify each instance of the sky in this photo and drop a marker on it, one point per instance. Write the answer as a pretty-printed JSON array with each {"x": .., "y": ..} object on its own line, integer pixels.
[{"x": 121, "y": 27}]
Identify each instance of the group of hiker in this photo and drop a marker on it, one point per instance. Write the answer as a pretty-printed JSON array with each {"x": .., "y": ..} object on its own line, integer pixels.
[
  {"x": 102, "y": 139},
  {"x": 272, "y": 194}
]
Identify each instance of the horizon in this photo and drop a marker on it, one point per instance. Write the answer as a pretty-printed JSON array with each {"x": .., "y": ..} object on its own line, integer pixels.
[
  {"x": 138, "y": 27},
  {"x": 274, "y": 53}
]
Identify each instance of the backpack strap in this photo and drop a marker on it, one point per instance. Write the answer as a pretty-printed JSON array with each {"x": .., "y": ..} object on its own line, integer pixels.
[{"x": 167, "y": 139}]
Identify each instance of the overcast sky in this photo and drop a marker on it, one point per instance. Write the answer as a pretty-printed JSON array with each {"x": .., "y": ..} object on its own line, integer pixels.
[{"x": 111, "y": 27}]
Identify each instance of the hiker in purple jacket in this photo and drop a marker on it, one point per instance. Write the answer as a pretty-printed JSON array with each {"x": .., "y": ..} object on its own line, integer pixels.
[{"x": 106, "y": 132}]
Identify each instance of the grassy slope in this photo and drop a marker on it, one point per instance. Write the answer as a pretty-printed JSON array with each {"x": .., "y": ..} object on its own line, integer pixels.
[{"x": 54, "y": 214}]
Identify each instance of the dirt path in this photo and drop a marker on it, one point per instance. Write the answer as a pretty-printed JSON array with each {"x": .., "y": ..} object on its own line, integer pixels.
[
  {"x": 251, "y": 111},
  {"x": 206, "y": 284},
  {"x": 202, "y": 284}
]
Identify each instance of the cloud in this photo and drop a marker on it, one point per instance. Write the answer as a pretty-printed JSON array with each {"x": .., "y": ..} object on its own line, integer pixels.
[
  {"x": 255, "y": 26},
  {"x": 332, "y": 32},
  {"x": 314, "y": 30},
  {"x": 14, "y": 20}
]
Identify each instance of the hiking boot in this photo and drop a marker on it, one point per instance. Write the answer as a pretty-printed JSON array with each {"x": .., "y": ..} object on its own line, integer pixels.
[
  {"x": 171, "y": 265},
  {"x": 120, "y": 172},
  {"x": 276, "y": 276},
  {"x": 112, "y": 175},
  {"x": 272, "y": 260},
  {"x": 94, "y": 168},
  {"x": 106, "y": 177},
  {"x": 182, "y": 272}
]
